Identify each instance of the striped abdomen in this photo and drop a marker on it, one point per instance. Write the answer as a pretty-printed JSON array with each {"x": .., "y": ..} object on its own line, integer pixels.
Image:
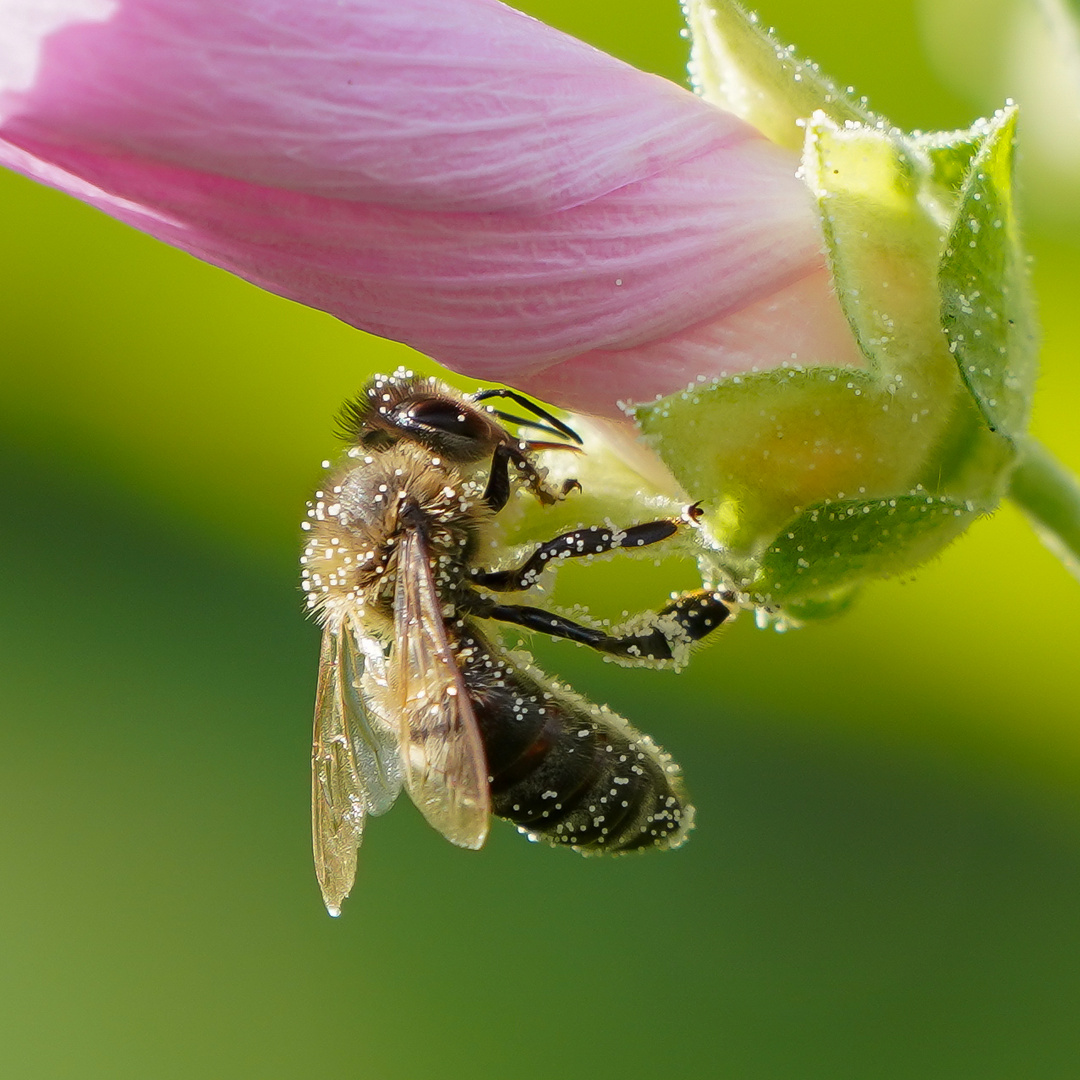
[{"x": 563, "y": 769}]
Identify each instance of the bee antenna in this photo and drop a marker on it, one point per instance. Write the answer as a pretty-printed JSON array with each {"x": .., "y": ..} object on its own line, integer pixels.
[
  {"x": 523, "y": 422},
  {"x": 536, "y": 410}
]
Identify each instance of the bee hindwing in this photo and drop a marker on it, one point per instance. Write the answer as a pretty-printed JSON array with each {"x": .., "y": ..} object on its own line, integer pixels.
[
  {"x": 442, "y": 754},
  {"x": 355, "y": 769}
]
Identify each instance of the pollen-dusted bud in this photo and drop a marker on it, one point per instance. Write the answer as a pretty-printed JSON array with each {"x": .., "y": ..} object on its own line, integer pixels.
[{"x": 816, "y": 475}]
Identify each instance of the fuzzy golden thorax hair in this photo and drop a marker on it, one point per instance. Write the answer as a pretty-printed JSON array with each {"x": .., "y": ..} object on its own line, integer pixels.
[{"x": 355, "y": 522}]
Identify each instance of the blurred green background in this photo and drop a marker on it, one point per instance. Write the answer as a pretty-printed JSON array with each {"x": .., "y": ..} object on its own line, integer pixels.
[{"x": 885, "y": 880}]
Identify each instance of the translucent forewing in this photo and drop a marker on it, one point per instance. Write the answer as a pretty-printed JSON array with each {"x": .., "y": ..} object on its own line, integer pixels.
[
  {"x": 372, "y": 735},
  {"x": 442, "y": 756},
  {"x": 355, "y": 770}
]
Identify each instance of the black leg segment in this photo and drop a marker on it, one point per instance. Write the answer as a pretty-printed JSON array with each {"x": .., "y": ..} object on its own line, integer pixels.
[
  {"x": 498, "y": 488},
  {"x": 574, "y": 545},
  {"x": 661, "y": 637},
  {"x": 497, "y": 491}
]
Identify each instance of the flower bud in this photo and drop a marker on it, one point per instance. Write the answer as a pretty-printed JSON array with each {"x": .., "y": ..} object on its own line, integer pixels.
[{"x": 818, "y": 475}]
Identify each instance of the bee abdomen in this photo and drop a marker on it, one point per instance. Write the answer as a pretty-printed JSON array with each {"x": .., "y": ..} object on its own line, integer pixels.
[
  {"x": 570, "y": 773},
  {"x": 606, "y": 793}
]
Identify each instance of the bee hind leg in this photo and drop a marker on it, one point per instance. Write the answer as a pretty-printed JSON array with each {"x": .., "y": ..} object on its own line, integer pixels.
[{"x": 663, "y": 637}]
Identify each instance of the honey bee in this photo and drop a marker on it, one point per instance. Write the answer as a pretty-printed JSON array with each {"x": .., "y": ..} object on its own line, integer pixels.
[{"x": 413, "y": 692}]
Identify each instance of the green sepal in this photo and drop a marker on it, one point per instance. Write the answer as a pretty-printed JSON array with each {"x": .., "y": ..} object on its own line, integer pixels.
[
  {"x": 739, "y": 66},
  {"x": 883, "y": 244},
  {"x": 986, "y": 309},
  {"x": 820, "y": 553},
  {"x": 949, "y": 154},
  {"x": 755, "y": 448}
]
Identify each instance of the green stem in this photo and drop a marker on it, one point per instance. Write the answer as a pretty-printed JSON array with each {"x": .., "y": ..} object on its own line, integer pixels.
[{"x": 1050, "y": 496}]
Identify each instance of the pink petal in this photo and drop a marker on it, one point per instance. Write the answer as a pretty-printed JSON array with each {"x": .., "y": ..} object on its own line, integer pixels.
[
  {"x": 448, "y": 173},
  {"x": 461, "y": 105},
  {"x": 800, "y": 325}
]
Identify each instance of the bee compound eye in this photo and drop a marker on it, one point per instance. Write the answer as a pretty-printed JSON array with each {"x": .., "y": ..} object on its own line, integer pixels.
[
  {"x": 451, "y": 417},
  {"x": 451, "y": 428}
]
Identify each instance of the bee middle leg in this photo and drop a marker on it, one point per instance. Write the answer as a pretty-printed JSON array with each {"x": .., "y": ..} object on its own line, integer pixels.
[
  {"x": 575, "y": 545},
  {"x": 662, "y": 637}
]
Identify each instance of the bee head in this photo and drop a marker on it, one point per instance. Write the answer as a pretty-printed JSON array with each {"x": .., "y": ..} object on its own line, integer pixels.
[{"x": 422, "y": 410}]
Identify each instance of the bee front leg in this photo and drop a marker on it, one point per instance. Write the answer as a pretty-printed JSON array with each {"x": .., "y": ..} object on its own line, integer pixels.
[
  {"x": 497, "y": 491},
  {"x": 659, "y": 637}
]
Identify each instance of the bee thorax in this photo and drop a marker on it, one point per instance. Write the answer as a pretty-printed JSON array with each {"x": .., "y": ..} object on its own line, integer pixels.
[{"x": 355, "y": 523}]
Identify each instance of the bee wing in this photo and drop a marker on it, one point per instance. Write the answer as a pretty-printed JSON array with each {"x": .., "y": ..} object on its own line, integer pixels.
[
  {"x": 443, "y": 757},
  {"x": 355, "y": 768},
  {"x": 371, "y": 733}
]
